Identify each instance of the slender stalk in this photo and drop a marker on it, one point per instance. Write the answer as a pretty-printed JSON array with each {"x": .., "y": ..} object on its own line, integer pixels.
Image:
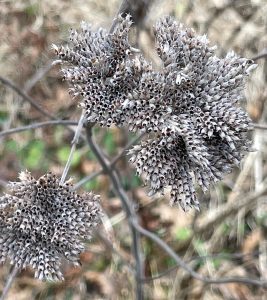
[
  {"x": 187, "y": 268},
  {"x": 203, "y": 257},
  {"x": 87, "y": 178},
  {"x": 263, "y": 54},
  {"x": 9, "y": 282},
  {"x": 112, "y": 163},
  {"x": 35, "y": 126},
  {"x": 19, "y": 91},
  {"x": 73, "y": 148},
  {"x": 128, "y": 208},
  {"x": 29, "y": 99}
]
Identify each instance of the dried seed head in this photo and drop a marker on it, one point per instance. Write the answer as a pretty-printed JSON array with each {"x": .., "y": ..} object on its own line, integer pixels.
[
  {"x": 190, "y": 104},
  {"x": 43, "y": 222}
]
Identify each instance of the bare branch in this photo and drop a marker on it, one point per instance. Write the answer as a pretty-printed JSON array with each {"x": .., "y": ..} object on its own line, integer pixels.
[
  {"x": 220, "y": 255},
  {"x": 37, "y": 125},
  {"x": 112, "y": 163},
  {"x": 87, "y": 178},
  {"x": 215, "y": 216},
  {"x": 26, "y": 97},
  {"x": 128, "y": 146},
  {"x": 187, "y": 268},
  {"x": 259, "y": 126},
  {"x": 39, "y": 74},
  {"x": 263, "y": 54},
  {"x": 128, "y": 208}
]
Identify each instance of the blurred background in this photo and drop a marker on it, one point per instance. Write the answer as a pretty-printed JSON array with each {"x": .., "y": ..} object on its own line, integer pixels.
[{"x": 226, "y": 238}]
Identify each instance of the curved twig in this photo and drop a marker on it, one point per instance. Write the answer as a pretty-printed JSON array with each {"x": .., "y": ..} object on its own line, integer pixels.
[
  {"x": 128, "y": 208},
  {"x": 19, "y": 91},
  {"x": 220, "y": 255},
  {"x": 186, "y": 267}
]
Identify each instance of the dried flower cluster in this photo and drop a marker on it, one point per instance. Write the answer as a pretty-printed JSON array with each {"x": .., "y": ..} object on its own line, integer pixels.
[
  {"x": 189, "y": 108},
  {"x": 42, "y": 222}
]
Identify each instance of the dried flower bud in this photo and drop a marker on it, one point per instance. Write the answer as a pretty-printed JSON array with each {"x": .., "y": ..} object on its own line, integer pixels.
[{"x": 44, "y": 221}]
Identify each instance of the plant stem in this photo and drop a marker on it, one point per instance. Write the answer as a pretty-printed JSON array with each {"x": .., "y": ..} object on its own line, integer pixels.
[
  {"x": 9, "y": 282},
  {"x": 73, "y": 148}
]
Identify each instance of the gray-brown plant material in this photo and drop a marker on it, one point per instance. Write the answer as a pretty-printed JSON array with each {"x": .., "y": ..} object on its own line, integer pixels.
[
  {"x": 96, "y": 71},
  {"x": 189, "y": 107},
  {"x": 43, "y": 222}
]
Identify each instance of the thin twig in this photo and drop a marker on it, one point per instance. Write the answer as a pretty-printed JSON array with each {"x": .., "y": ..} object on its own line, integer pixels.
[
  {"x": 112, "y": 164},
  {"x": 26, "y": 97},
  {"x": 87, "y": 178},
  {"x": 37, "y": 76},
  {"x": 259, "y": 126},
  {"x": 36, "y": 125},
  {"x": 128, "y": 208},
  {"x": 130, "y": 144},
  {"x": 111, "y": 247},
  {"x": 73, "y": 147},
  {"x": 19, "y": 91},
  {"x": 263, "y": 54},
  {"x": 187, "y": 268},
  {"x": 215, "y": 216},
  {"x": 9, "y": 282},
  {"x": 202, "y": 257}
]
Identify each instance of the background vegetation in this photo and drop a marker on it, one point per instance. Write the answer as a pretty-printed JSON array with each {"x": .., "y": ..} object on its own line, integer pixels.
[{"x": 227, "y": 238}]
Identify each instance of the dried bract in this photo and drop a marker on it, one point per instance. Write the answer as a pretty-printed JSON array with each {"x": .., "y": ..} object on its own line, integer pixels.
[{"x": 42, "y": 222}]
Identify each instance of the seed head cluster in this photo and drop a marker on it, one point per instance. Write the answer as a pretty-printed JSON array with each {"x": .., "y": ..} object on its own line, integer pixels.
[
  {"x": 42, "y": 222},
  {"x": 189, "y": 108}
]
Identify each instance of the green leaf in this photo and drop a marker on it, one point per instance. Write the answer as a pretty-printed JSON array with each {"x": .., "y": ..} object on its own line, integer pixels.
[
  {"x": 199, "y": 246},
  {"x": 63, "y": 155},
  {"x": 109, "y": 143},
  {"x": 92, "y": 185},
  {"x": 32, "y": 9},
  {"x": 216, "y": 262},
  {"x": 33, "y": 153},
  {"x": 136, "y": 181},
  {"x": 12, "y": 146},
  {"x": 3, "y": 116},
  {"x": 183, "y": 234}
]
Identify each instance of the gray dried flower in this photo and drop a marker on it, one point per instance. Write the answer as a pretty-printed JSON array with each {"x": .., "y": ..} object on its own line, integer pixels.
[
  {"x": 201, "y": 133},
  {"x": 97, "y": 60},
  {"x": 43, "y": 221},
  {"x": 198, "y": 131}
]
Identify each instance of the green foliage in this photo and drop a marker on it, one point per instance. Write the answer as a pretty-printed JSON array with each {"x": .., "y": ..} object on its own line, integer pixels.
[
  {"x": 12, "y": 146},
  {"x": 225, "y": 228},
  {"x": 109, "y": 143},
  {"x": 32, "y": 10},
  {"x": 135, "y": 181},
  {"x": 32, "y": 155},
  {"x": 63, "y": 154},
  {"x": 92, "y": 185},
  {"x": 3, "y": 116},
  {"x": 183, "y": 234},
  {"x": 199, "y": 246}
]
